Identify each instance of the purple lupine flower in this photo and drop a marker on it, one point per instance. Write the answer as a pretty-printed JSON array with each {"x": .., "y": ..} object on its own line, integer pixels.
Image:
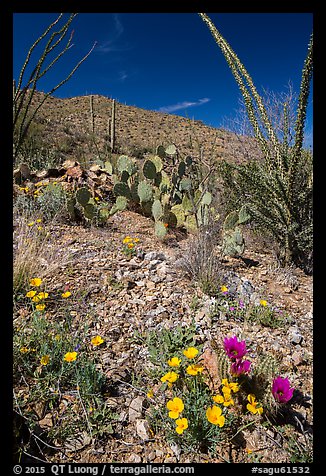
[
  {"x": 231, "y": 308},
  {"x": 233, "y": 348},
  {"x": 240, "y": 367},
  {"x": 78, "y": 346},
  {"x": 241, "y": 303},
  {"x": 281, "y": 389}
]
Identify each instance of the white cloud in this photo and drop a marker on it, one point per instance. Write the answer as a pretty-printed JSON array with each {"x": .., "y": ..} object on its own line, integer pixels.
[
  {"x": 111, "y": 44},
  {"x": 183, "y": 105},
  {"x": 122, "y": 75}
]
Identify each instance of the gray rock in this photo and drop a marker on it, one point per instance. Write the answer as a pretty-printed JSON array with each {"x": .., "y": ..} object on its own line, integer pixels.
[
  {"x": 153, "y": 263},
  {"x": 154, "y": 255},
  {"x": 134, "y": 458},
  {"x": 143, "y": 430},
  {"x": 162, "y": 270},
  {"x": 246, "y": 289},
  {"x": 295, "y": 336}
]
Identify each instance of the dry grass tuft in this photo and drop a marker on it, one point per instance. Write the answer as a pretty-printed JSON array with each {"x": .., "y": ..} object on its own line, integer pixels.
[
  {"x": 34, "y": 253},
  {"x": 201, "y": 262}
]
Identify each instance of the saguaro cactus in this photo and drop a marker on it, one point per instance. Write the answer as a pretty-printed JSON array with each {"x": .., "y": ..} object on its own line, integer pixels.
[
  {"x": 91, "y": 111},
  {"x": 112, "y": 128}
]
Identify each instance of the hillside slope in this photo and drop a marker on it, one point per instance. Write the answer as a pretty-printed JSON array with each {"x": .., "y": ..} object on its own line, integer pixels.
[{"x": 66, "y": 126}]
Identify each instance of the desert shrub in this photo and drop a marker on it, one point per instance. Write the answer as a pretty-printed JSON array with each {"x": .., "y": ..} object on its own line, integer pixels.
[
  {"x": 47, "y": 201},
  {"x": 277, "y": 190},
  {"x": 34, "y": 253},
  {"x": 201, "y": 260},
  {"x": 56, "y": 377}
]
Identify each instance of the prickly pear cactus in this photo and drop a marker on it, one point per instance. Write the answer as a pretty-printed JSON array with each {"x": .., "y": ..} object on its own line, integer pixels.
[
  {"x": 121, "y": 188},
  {"x": 82, "y": 196},
  {"x": 120, "y": 205},
  {"x": 160, "y": 151},
  {"x": 171, "y": 149},
  {"x": 149, "y": 170},
  {"x": 157, "y": 210},
  {"x": 70, "y": 204},
  {"x": 179, "y": 213},
  {"x": 233, "y": 242},
  {"x": 244, "y": 215},
  {"x": 231, "y": 221},
  {"x": 157, "y": 161},
  {"x": 160, "y": 230},
  {"x": 181, "y": 169},
  {"x": 108, "y": 167},
  {"x": 90, "y": 211},
  {"x": 124, "y": 163},
  {"x": 144, "y": 191}
]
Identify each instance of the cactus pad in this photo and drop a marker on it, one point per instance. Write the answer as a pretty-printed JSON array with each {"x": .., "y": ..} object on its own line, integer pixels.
[
  {"x": 231, "y": 221},
  {"x": 83, "y": 195},
  {"x": 144, "y": 191},
  {"x": 157, "y": 210},
  {"x": 125, "y": 163},
  {"x": 171, "y": 149},
  {"x": 149, "y": 170},
  {"x": 160, "y": 230},
  {"x": 121, "y": 188}
]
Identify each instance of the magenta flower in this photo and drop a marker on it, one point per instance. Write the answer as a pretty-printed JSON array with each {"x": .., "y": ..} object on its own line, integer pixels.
[
  {"x": 234, "y": 349},
  {"x": 240, "y": 367},
  {"x": 281, "y": 390}
]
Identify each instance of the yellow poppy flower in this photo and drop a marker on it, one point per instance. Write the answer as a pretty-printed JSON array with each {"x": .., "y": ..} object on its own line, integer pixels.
[
  {"x": 70, "y": 356},
  {"x": 194, "y": 369},
  {"x": 175, "y": 406},
  {"x": 66, "y": 294},
  {"x": 35, "y": 282},
  {"x": 97, "y": 340},
  {"x": 42, "y": 295},
  {"x": 24, "y": 350},
  {"x": 191, "y": 352},
  {"x": 218, "y": 399},
  {"x": 150, "y": 393},
  {"x": 252, "y": 405},
  {"x": 170, "y": 377},
  {"x": 182, "y": 424},
  {"x": 30, "y": 294},
  {"x": 214, "y": 416},
  {"x": 45, "y": 359},
  {"x": 232, "y": 386},
  {"x": 174, "y": 362},
  {"x": 40, "y": 307}
]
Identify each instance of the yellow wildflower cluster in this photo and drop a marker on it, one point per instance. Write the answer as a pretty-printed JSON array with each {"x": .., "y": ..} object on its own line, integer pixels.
[
  {"x": 129, "y": 245},
  {"x": 37, "y": 297},
  {"x": 227, "y": 389},
  {"x": 253, "y": 406},
  {"x": 175, "y": 407},
  {"x": 37, "y": 223}
]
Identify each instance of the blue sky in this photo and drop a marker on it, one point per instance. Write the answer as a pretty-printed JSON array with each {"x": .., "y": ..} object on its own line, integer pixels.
[{"x": 169, "y": 62}]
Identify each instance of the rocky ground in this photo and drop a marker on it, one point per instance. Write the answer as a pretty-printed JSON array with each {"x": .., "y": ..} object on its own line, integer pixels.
[{"x": 118, "y": 296}]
